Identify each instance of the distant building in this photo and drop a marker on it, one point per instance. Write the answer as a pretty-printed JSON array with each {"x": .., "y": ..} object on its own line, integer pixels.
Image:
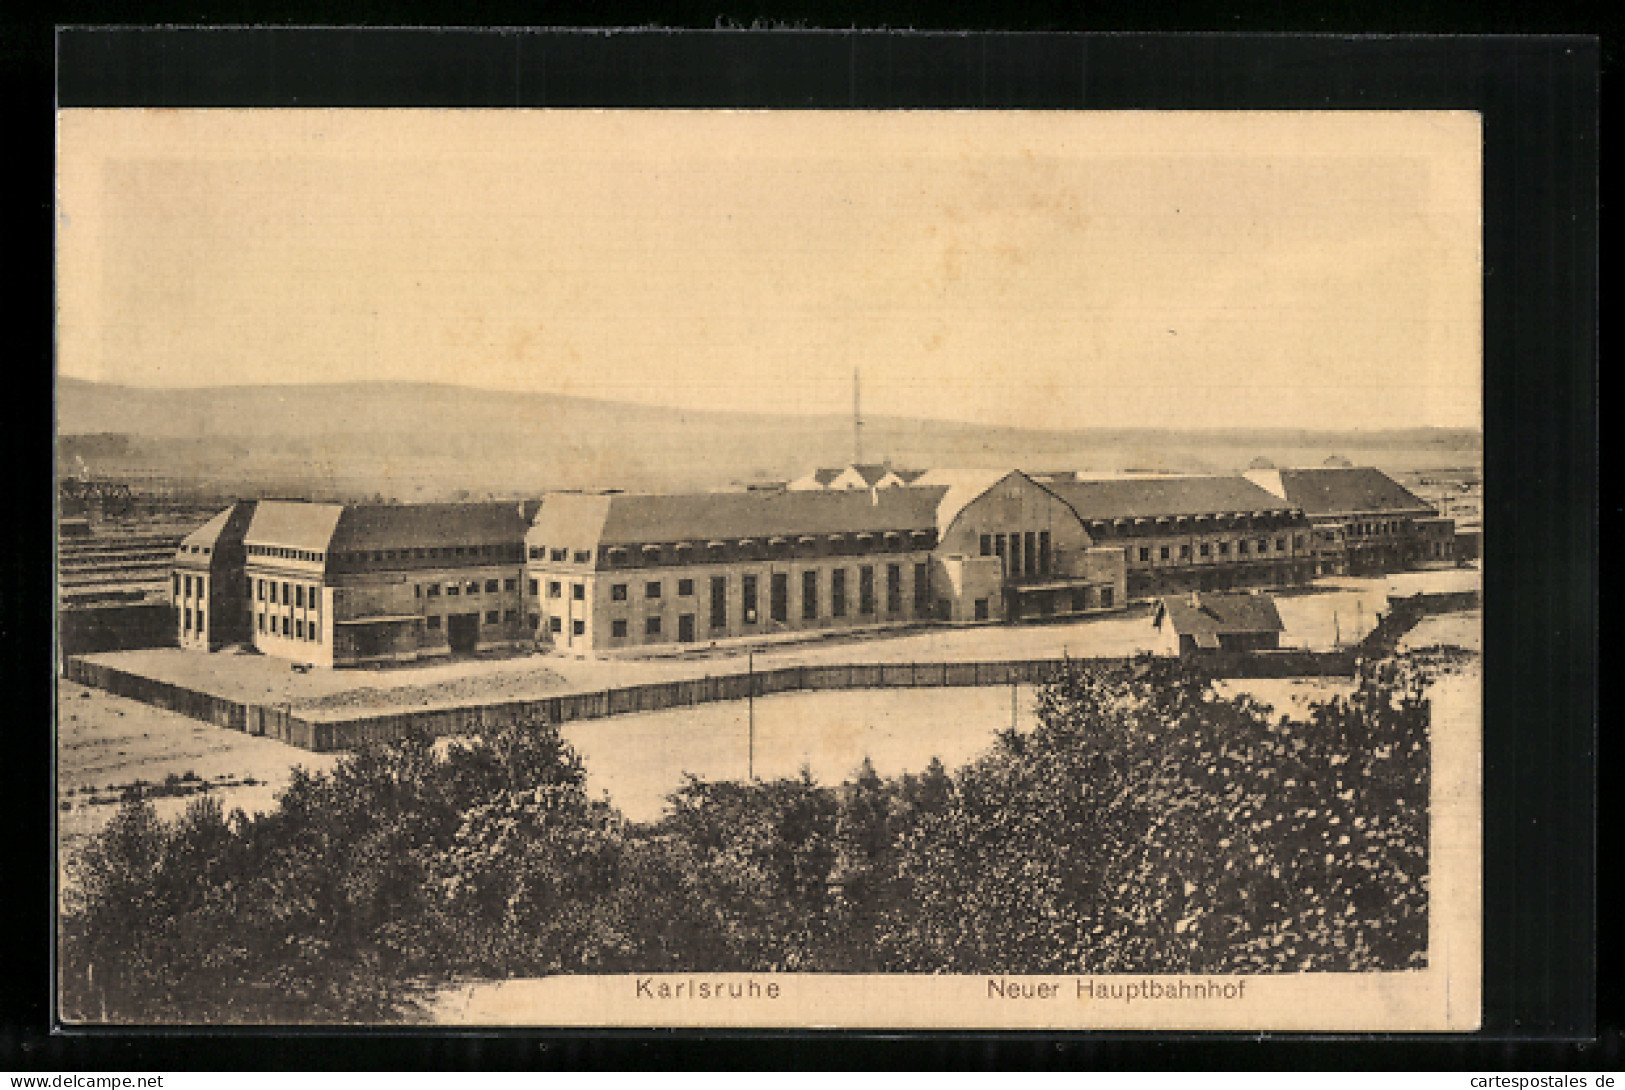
[
  {"x": 1469, "y": 543},
  {"x": 1364, "y": 521},
  {"x": 1204, "y": 623},
  {"x": 855, "y": 477}
]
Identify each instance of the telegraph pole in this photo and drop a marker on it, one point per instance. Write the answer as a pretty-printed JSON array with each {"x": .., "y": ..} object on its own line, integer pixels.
[{"x": 750, "y": 703}]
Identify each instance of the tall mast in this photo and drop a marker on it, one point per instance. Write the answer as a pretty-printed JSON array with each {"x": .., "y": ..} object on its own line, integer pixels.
[{"x": 857, "y": 421}]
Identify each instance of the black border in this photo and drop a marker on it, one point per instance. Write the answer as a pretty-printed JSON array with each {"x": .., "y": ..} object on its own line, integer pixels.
[{"x": 1539, "y": 100}]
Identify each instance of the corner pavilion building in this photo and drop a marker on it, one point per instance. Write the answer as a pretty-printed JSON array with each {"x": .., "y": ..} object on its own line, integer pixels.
[{"x": 353, "y": 584}]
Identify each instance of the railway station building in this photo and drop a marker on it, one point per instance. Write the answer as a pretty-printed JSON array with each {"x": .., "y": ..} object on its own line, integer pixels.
[{"x": 599, "y": 572}]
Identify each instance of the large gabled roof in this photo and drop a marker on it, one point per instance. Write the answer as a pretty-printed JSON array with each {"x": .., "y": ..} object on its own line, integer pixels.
[
  {"x": 1156, "y": 497},
  {"x": 571, "y": 520},
  {"x": 1348, "y": 491},
  {"x": 585, "y": 521},
  {"x": 1222, "y": 614},
  {"x": 962, "y": 487},
  {"x": 294, "y": 524},
  {"x": 331, "y": 527},
  {"x": 431, "y": 525}
]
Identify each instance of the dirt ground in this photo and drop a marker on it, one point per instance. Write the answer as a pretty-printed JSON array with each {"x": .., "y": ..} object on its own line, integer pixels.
[
  {"x": 262, "y": 679},
  {"x": 106, "y": 743},
  {"x": 639, "y": 759},
  {"x": 1464, "y": 630}
]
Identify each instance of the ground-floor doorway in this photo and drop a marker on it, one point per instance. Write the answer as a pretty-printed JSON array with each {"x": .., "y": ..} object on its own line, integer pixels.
[{"x": 463, "y": 631}]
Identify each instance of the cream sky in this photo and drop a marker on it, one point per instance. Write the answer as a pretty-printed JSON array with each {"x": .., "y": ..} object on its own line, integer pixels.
[{"x": 1041, "y": 269}]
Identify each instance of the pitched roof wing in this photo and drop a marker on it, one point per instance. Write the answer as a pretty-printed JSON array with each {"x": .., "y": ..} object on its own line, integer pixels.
[
  {"x": 1152, "y": 497},
  {"x": 1352, "y": 490},
  {"x": 431, "y": 525},
  {"x": 225, "y": 529},
  {"x": 570, "y": 520},
  {"x": 961, "y": 487},
  {"x": 631, "y": 519},
  {"x": 294, "y": 524}
]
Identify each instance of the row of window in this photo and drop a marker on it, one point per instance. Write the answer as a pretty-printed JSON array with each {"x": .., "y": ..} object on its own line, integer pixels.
[
  {"x": 1024, "y": 553},
  {"x": 560, "y": 556},
  {"x": 182, "y": 585},
  {"x": 283, "y": 593},
  {"x": 291, "y": 627},
  {"x": 1244, "y": 547},
  {"x": 493, "y": 553},
  {"x": 186, "y": 621},
  {"x": 203, "y": 549},
  {"x": 1376, "y": 529},
  {"x": 779, "y": 593},
  {"x": 778, "y": 597},
  {"x": 808, "y": 545},
  {"x": 1164, "y": 524},
  {"x": 277, "y": 552},
  {"x": 490, "y": 617},
  {"x": 472, "y": 586},
  {"x": 503, "y": 551}
]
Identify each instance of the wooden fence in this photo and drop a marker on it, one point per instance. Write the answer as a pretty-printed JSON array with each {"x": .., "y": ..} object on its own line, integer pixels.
[{"x": 323, "y": 735}]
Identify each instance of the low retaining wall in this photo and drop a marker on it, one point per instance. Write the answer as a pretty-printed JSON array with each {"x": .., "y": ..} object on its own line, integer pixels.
[{"x": 350, "y": 733}]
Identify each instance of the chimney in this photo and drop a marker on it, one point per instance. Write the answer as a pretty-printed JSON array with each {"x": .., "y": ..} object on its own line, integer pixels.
[{"x": 874, "y": 496}]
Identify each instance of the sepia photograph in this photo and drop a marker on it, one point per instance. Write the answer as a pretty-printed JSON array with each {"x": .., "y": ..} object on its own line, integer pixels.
[{"x": 908, "y": 569}]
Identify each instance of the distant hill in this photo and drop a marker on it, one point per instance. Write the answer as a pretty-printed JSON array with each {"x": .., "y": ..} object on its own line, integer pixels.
[{"x": 418, "y": 441}]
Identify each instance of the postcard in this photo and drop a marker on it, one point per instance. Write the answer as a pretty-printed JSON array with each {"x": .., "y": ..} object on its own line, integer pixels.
[{"x": 726, "y": 568}]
